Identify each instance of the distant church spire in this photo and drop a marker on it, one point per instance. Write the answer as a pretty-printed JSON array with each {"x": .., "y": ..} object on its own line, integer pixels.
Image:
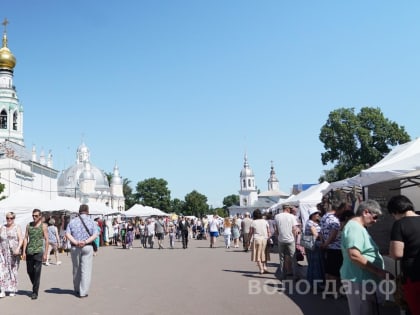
[
  {"x": 248, "y": 193},
  {"x": 273, "y": 182}
]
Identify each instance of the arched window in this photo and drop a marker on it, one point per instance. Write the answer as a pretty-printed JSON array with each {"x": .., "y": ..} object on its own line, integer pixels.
[
  {"x": 249, "y": 183},
  {"x": 245, "y": 202},
  {"x": 15, "y": 119},
  {"x": 244, "y": 183},
  {"x": 3, "y": 119}
]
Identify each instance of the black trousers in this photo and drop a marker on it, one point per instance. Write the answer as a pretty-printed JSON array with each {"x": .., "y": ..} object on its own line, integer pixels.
[
  {"x": 33, "y": 268},
  {"x": 184, "y": 235}
]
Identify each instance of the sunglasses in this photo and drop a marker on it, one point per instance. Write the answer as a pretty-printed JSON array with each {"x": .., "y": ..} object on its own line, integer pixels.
[
  {"x": 374, "y": 216},
  {"x": 10, "y": 218},
  {"x": 35, "y": 216}
]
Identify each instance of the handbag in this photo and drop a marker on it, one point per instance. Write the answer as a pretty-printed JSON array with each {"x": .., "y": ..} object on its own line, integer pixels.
[
  {"x": 299, "y": 254},
  {"x": 307, "y": 241},
  {"x": 94, "y": 245}
]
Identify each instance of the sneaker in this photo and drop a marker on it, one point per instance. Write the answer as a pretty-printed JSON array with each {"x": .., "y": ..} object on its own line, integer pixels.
[
  {"x": 2, "y": 294},
  {"x": 12, "y": 294},
  {"x": 47, "y": 264},
  {"x": 58, "y": 263},
  {"x": 34, "y": 296}
]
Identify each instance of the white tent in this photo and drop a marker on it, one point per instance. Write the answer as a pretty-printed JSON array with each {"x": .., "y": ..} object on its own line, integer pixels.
[
  {"x": 277, "y": 205},
  {"x": 98, "y": 208},
  {"x": 61, "y": 203},
  {"x": 22, "y": 203},
  {"x": 347, "y": 184},
  {"x": 143, "y": 211},
  {"x": 307, "y": 200},
  {"x": 402, "y": 162}
]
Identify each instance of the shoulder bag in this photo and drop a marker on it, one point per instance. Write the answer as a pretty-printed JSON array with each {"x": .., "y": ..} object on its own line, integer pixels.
[
  {"x": 307, "y": 241},
  {"x": 95, "y": 247}
]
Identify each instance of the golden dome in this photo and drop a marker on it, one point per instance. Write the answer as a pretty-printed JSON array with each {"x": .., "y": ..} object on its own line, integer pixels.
[{"x": 7, "y": 60}]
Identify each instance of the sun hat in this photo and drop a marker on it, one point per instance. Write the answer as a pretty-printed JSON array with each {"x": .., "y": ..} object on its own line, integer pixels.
[{"x": 313, "y": 211}]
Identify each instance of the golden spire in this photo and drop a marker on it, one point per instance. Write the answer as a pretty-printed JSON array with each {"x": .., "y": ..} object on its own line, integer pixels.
[
  {"x": 7, "y": 60},
  {"x": 5, "y": 22}
]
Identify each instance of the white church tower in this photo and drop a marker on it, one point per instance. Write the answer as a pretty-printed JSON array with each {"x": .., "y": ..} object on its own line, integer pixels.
[
  {"x": 116, "y": 188},
  {"x": 20, "y": 169},
  {"x": 11, "y": 111},
  {"x": 273, "y": 182},
  {"x": 248, "y": 194}
]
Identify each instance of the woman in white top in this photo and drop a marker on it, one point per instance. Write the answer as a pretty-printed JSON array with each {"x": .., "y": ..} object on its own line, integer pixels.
[
  {"x": 259, "y": 232},
  {"x": 227, "y": 231}
]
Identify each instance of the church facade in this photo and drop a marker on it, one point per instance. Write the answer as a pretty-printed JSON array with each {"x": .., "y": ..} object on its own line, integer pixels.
[
  {"x": 249, "y": 196},
  {"x": 24, "y": 170},
  {"x": 85, "y": 182}
]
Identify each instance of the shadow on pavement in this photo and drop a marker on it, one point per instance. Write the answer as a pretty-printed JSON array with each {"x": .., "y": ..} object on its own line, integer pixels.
[{"x": 59, "y": 291}]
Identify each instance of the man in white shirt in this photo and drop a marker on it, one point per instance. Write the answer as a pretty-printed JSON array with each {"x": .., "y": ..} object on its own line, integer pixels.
[
  {"x": 287, "y": 230},
  {"x": 214, "y": 226}
]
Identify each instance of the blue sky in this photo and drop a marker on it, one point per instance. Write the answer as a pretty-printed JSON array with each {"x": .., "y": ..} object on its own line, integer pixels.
[{"x": 180, "y": 90}]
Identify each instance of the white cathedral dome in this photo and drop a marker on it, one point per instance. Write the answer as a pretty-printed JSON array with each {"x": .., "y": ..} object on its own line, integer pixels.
[
  {"x": 246, "y": 171},
  {"x": 69, "y": 179}
]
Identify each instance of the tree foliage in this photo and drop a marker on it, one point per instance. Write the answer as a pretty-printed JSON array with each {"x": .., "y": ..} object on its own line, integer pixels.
[
  {"x": 2, "y": 186},
  {"x": 231, "y": 200},
  {"x": 195, "y": 204},
  {"x": 154, "y": 192},
  {"x": 130, "y": 199},
  {"x": 357, "y": 141},
  {"x": 177, "y": 205}
]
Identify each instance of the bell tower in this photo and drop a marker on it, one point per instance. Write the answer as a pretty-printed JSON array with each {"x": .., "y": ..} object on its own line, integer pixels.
[
  {"x": 11, "y": 111},
  {"x": 248, "y": 194}
]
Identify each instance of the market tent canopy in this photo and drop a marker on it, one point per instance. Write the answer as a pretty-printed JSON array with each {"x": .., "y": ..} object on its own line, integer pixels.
[
  {"x": 308, "y": 199},
  {"x": 347, "y": 184},
  {"x": 22, "y": 203},
  {"x": 98, "y": 208},
  {"x": 278, "y": 204},
  {"x": 143, "y": 211},
  {"x": 61, "y": 203},
  {"x": 402, "y": 162}
]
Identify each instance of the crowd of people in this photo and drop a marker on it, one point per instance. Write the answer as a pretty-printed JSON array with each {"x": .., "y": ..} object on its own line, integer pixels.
[{"x": 342, "y": 257}]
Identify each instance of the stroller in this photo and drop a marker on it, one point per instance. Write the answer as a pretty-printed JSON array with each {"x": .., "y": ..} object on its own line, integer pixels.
[{"x": 201, "y": 235}]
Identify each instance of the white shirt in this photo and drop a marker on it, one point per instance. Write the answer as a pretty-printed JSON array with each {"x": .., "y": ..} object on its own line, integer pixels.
[{"x": 285, "y": 222}]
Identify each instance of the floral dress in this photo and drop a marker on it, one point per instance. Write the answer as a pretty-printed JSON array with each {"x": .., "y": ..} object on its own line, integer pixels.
[{"x": 9, "y": 263}]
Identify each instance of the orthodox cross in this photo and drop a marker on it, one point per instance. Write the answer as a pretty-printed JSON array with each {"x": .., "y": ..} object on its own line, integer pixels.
[{"x": 5, "y": 22}]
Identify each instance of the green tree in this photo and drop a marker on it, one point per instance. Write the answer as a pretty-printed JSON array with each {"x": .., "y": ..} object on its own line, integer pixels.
[
  {"x": 177, "y": 205},
  {"x": 357, "y": 141},
  {"x": 231, "y": 200},
  {"x": 221, "y": 212},
  {"x": 2, "y": 186},
  {"x": 195, "y": 204},
  {"x": 154, "y": 192},
  {"x": 130, "y": 198}
]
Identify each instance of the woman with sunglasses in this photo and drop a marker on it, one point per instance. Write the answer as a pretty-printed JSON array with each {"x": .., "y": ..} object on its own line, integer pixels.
[
  {"x": 34, "y": 243},
  {"x": 363, "y": 265},
  {"x": 11, "y": 241}
]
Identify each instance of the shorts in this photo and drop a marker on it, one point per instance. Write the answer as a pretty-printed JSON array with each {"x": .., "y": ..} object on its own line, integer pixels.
[
  {"x": 214, "y": 234},
  {"x": 159, "y": 236}
]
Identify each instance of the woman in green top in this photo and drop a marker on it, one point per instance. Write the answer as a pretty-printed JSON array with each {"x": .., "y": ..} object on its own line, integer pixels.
[
  {"x": 36, "y": 237},
  {"x": 363, "y": 265}
]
